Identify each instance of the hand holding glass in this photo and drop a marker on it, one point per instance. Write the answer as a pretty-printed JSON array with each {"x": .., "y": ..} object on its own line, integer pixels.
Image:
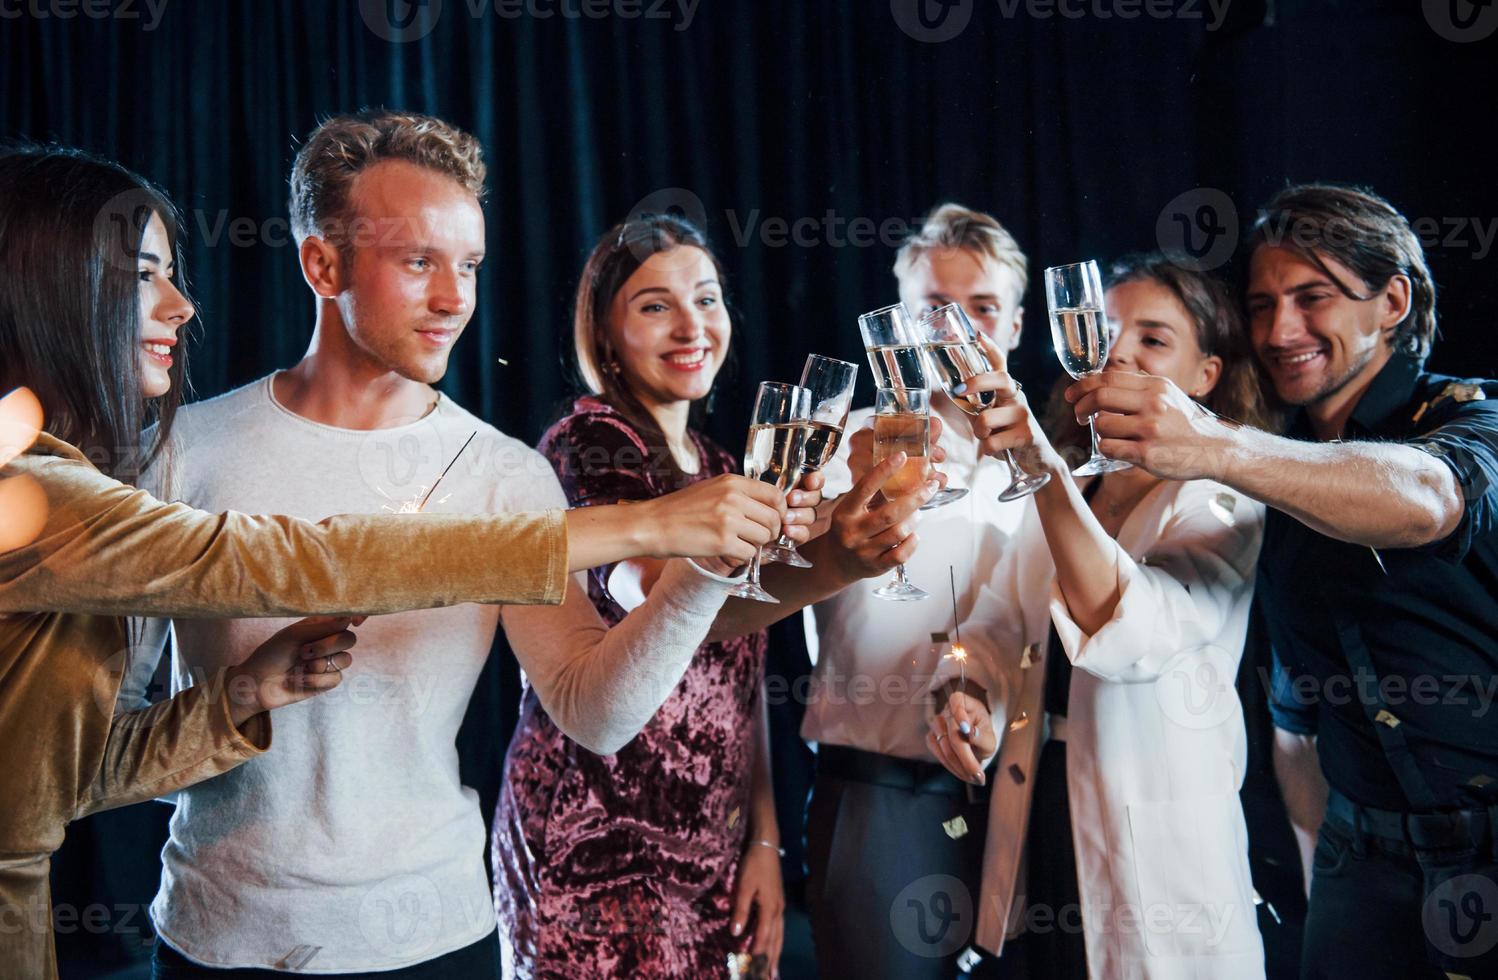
[
  {"x": 773, "y": 454},
  {"x": 1079, "y": 332},
  {"x": 895, "y": 357},
  {"x": 952, "y": 350},
  {"x": 902, "y": 424},
  {"x": 831, "y": 383}
]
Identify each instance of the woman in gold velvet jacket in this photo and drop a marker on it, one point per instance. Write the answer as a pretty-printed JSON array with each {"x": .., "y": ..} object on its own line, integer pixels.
[{"x": 89, "y": 324}]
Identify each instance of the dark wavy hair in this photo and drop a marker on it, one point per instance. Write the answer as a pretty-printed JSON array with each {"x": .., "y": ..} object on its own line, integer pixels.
[
  {"x": 622, "y": 250},
  {"x": 71, "y": 226},
  {"x": 1363, "y": 232},
  {"x": 1218, "y": 322}
]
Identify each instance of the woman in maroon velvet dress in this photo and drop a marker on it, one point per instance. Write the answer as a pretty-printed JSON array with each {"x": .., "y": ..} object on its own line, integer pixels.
[{"x": 641, "y": 864}]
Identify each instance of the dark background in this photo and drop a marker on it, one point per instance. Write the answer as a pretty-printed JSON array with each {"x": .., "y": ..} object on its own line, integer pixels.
[{"x": 1085, "y": 135}]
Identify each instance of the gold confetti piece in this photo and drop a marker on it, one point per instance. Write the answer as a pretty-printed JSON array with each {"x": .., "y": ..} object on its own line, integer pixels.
[
  {"x": 1385, "y": 718},
  {"x": 1019, "y": 722},
  {"x": 1027, "y": 659},
  {"x": 1222, "y": 507},
  {"x": 733, "y": 818},
  {"x": 1480, "y": 780},
  {"x": 956, "y": 828},
  {"x": 503, "y": 361},
  {"x": 938, "y": 638},
  {"x": 1457, "y": 976},
  {"x": 1017, "y": 774}
]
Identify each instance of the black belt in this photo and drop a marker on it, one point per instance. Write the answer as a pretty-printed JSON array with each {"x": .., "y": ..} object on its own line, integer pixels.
[
  {"x": 891, "y": 771},
  {"x": 1426, "y": 831}
]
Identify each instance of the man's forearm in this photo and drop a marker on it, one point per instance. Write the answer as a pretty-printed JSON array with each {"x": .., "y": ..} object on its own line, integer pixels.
[{"x": 1384, "y": 495}]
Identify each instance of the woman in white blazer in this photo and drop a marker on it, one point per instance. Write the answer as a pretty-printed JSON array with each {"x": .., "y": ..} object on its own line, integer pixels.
[{"x": 1130, "y": 596}]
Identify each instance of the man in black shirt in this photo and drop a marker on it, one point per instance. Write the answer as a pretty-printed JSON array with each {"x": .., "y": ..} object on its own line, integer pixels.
[{"x": 1378, "y": 575}]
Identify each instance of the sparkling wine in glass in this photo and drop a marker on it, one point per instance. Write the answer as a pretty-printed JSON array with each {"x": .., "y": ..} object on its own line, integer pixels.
[
  {"x": 952, "y": 350},
  {"x": 830, "y": 382},
  {"x": 902, "y": 424},
  {"x": 1079, "y": 332},
  {"x": 773, "y": 454},
  {"x": 894, "y": 352}
]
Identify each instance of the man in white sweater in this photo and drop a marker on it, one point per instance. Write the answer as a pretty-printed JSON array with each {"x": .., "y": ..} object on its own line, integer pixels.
[{"x": 351, "y": 846}]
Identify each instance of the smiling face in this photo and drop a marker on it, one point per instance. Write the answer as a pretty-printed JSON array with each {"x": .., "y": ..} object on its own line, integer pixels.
[
  {"x": 1152, "y": 332},
  {"x": 410, "y": 282},
  {"x": 163, "y": 309},
  {"x": 668, "y": 327},
  {"x": 1313, "y": 339},
  {"x": 987, "y": 291}
]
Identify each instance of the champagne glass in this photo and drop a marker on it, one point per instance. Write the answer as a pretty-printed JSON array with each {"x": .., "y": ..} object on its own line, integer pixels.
[
  {"x": 895, "y": 357},
  {"x": 773, "y": 454},
  {"x": 1079, "y": 332},
  {"x": 902, "y": 424},
  {"x": 952, "y": 350},
  {"x": 830, "y": 382}
]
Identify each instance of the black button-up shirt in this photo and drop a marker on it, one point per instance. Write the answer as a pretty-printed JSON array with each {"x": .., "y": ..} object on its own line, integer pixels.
[{"x": 1426, "y": 618}]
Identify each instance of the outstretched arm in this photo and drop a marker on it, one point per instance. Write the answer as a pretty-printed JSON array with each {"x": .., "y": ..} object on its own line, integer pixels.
[{"x": 1380, "y": 494}]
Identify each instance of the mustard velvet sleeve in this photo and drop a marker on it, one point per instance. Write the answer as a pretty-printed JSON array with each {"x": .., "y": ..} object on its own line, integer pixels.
[
  {"x": 110, "y": 549},
  {"x": 178, "y": 742}
]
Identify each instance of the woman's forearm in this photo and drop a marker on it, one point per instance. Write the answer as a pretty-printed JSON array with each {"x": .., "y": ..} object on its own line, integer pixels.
[
  {"x": 607, "y": 535},
  {"x": 1083, "y": 552}
]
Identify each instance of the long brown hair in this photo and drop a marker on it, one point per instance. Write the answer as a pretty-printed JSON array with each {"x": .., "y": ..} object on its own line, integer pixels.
[
  {"x": 70, "y": 238},
  {"x": 617, "y": 255},
  {"x": 1218, "y": 322}
]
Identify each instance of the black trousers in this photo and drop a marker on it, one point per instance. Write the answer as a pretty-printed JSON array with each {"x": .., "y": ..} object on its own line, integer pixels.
[
  {"x": 890, "y": 893},
  {"x": 1365, "y": 914},
  {"x": 479, "y": 961}
]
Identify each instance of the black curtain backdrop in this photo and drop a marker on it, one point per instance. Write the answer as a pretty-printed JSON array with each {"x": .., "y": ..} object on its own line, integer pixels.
[{"x": 808, "y": 137}]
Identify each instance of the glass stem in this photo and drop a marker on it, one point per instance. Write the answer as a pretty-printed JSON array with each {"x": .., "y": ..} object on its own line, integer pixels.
[
  {"x": 900, "y": 574},
  {"x": 1092, "y": 428},
  {"x": 754, "y": 568},
  {"x": 1014, "y": 470}
]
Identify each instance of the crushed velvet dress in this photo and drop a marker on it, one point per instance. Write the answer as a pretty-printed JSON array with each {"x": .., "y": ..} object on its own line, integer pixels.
[{"x": 624, "y": 865}]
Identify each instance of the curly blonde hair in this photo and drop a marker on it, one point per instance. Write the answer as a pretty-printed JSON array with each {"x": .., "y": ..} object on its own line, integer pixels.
[{"x": 341, "y": 147}]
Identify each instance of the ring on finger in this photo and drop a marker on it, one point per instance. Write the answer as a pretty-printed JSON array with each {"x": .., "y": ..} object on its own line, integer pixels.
[
  {"x": 940, "y": 737},
  {"x": 331, "y": 667}
]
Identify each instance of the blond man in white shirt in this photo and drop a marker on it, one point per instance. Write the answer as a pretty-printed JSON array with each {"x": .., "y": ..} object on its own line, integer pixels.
[{"x": 894, "y": 842}]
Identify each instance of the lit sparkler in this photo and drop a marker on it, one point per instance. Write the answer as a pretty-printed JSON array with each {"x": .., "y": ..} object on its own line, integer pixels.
[
  {"x": 959, "y": 652},
  {"x": 424, "y": 493}
]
